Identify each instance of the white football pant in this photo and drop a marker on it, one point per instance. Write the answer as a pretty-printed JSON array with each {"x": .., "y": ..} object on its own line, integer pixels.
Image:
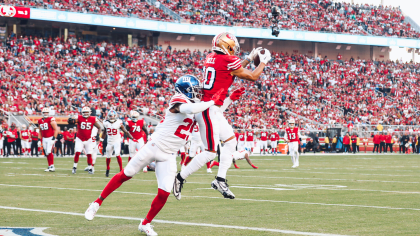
[{"x": 83, "y": 145}]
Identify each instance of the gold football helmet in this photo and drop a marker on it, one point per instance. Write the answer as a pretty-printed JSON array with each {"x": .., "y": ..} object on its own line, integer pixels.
[{"x": 226, "y": 43}]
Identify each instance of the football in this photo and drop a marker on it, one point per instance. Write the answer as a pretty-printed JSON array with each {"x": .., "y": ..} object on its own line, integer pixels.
[{"x": 257, "y": 58}]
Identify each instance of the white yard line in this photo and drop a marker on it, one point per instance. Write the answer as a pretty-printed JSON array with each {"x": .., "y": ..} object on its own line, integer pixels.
[
  {"x": 220, "y": 198},
  {"x": 176, "y": 222}
]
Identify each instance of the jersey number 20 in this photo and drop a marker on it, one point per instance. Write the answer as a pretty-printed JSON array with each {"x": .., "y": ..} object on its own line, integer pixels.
[{"x": 209, "y": 76}]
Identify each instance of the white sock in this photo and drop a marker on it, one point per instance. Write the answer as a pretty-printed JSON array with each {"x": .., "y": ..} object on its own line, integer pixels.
[
  {"x": 226, "y": 158},
  {"x": 195, "y": 164},
  {"x": 293, "y": 158},
  {"x": 297, "y": 158},
  {"x": 75, "y": 165}
]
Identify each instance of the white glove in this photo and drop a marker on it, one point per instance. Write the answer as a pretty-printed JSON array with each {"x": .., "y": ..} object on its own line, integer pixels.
[
  {"x": 39, "y": 143},
  {"x": 253, "y": 53},
  {"x": 266, "y": 57}
]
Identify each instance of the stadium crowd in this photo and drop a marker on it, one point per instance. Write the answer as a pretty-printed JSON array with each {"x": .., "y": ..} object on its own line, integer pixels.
[
  {"x": 68, "y": 75},
  {"x": 308, "y": 15}
]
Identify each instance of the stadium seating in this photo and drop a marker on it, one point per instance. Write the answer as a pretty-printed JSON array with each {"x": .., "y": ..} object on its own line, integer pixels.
[
  {"x": 67, "y": 76},
  {"x": 308, "y": 15}
]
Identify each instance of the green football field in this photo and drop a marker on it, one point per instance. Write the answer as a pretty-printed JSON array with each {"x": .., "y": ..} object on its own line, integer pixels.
[{"x": 340, "y": 195}]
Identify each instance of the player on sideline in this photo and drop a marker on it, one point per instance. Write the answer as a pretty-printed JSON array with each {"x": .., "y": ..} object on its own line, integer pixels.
[
  {"x": 85, "y": 124},
  {"x": 24, "y": 136},
  {"x": 136, "y": 127},
  {"x": 220, "y": 69},
  {"x": 170, "y": 135},
  {"x": 240, "y": 155},
  {"x": 48, "y": 134},
  {"x": 250, "y": 139},
  {"x": 274, "y": 137},
  {"x": 112, "y": 127},
  {"x": 263, "y": 141},
  {"x": 292, "y": 136}
]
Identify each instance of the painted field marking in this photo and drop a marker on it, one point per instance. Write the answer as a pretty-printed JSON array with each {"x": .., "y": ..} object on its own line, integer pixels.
[
  {"x": 237, "y": 199},
  {"x": 176, "y": 222}
]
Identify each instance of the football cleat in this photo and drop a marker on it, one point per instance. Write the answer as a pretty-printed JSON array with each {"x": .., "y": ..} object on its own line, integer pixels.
[
  {"x": 223, "y": 188},
  {"x": 209, "y": 170},
  {"x": 87, "y": 168},
  {"x": 107, "y": 173},
  {"x": 91, "y": 211},
  {"x": 74, "y": 170},
  {"x": 91, "y": 171},
  {"x": 48, "y": 169},
  {"x": 145, "y": 169},
  {"x": 52, "y": 169},
  {"x": 147, "y": 228},
  {"x": 176, "y": 189}
]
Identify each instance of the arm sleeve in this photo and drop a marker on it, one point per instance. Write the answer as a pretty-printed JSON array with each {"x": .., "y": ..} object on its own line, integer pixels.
[
  {"x": 194, "y": 108},
  {"x": 226, "y": 103}
]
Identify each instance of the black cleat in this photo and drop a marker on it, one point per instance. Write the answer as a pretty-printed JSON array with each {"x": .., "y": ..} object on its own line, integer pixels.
[{"x": 107, "y": 173}]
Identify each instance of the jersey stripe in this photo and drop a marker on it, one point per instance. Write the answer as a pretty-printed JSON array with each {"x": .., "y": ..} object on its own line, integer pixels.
[{"x": 235, "y": 65}]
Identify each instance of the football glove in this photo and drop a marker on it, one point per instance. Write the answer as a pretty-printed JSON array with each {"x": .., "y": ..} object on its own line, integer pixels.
[
  {"x": 53, "y": 138},
  {"x": 217, "y": 95},
  {"x": 253, "y": 53},
  {"x": 266, "y": 57},
  {"x": 237, "y": 93}
]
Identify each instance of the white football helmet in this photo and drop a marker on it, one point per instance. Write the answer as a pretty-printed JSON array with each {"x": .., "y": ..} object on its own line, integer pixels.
[
  {"x": 86, "y": 112},
  {"x": 292, "y": 123},
  {"x": 112, "y": 116},
  {"x": 23, "y": 127},
  {"x": 46, "y": 112},
  {"x": 134, "y": 116}
]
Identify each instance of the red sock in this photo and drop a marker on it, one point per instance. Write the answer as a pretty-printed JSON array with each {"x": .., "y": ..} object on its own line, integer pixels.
[
  {"x": 113, "y": 184},
  {"x": 89, "y": 159},
  {"x": 108, "y": 161},
  {"x": 187, "y": 160},
  {"x": 182, "y": 157},
  {"x": 120, "y": 162},
  {"x": 76, "y": 157},
  {"x": 255, "y": 167},
  {"x": 214, "y": 163},
  {"x": 93, "y": 164},
  {"x": 208, "y": 165},
  {"x": 157, "y": 205},
  {"x": 237, "y": 167},
  {"x": 129, "y": 158},
  {"x": 261, "y": 150},
  {"x": 51, "y": 158},
  {"x": 48, "y": 160}
]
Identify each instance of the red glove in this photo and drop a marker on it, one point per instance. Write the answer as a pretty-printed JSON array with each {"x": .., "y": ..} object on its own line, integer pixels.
[
  {"x": 237, "y": 93},
  {"x": 216, "y": 97}
]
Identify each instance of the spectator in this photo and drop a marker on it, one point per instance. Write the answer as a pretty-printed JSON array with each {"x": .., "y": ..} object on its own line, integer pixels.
[{"x": 346, "y": 143}]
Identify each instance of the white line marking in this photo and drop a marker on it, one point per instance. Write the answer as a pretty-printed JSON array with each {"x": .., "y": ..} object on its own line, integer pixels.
[
  {"x": 177, "y": 222},
  {"x": 238, "y": 199}
]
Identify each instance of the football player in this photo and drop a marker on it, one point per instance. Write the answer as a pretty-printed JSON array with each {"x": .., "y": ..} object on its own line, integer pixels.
[
  {"x": 240, "y": 155},
  {"x": 274, "y": 137},
  {"x": 136, "y": 127},
  {"x": 112, "y": 127},
  {"x": 250, "y": 139},
  {"x": 85, "y": 124},
  {"x": 263, "y": 141},
  {"x": 241, "y": 142},
  {"x": 95, "y": 150},
  {"x": 25, "y": 140},
  {"x": 220, "y": 69},
  {"x": 292, "y": 136},
  {"x": 48, "y": 134},
  {"x": 170, "y": 135}
]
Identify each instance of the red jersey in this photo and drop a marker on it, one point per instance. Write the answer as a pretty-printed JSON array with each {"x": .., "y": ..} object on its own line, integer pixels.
[
  {"x": 264, "y": 136},
  {"x": 65, "y": 135},
  {"x": 136, "y": 128},
  {"x": 12, "y": 133},
  {"x": 47, "y": 130},
  {"x": 217, "y": 75},
  {"x": 25, "y": 134},
  {"x": 292, "y": 135},
  {"x": 274, "y": 137},
  {"x": 241, "y": 137},
  {"x": 84, "y": 127},
  {"x": 237, "y": 136},
  {"x": 249, "y": 136},
  {"x": 34, "y": 133}
]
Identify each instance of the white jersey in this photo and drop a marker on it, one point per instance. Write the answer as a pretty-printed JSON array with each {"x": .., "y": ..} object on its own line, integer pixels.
[
  {"x": 196, "y": 137},
  {"x": 174, "y": 130},
  {"x": 94, "y": 133},
  {"x": 113, "y": 131},
  {"x": 239, "y": 155}
]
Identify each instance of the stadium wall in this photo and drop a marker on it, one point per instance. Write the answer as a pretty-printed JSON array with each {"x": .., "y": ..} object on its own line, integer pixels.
[{"x": 202, "y": 43}]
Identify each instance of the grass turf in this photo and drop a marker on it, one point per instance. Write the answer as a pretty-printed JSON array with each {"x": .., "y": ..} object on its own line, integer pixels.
[{"x": 342, "y": 194}]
